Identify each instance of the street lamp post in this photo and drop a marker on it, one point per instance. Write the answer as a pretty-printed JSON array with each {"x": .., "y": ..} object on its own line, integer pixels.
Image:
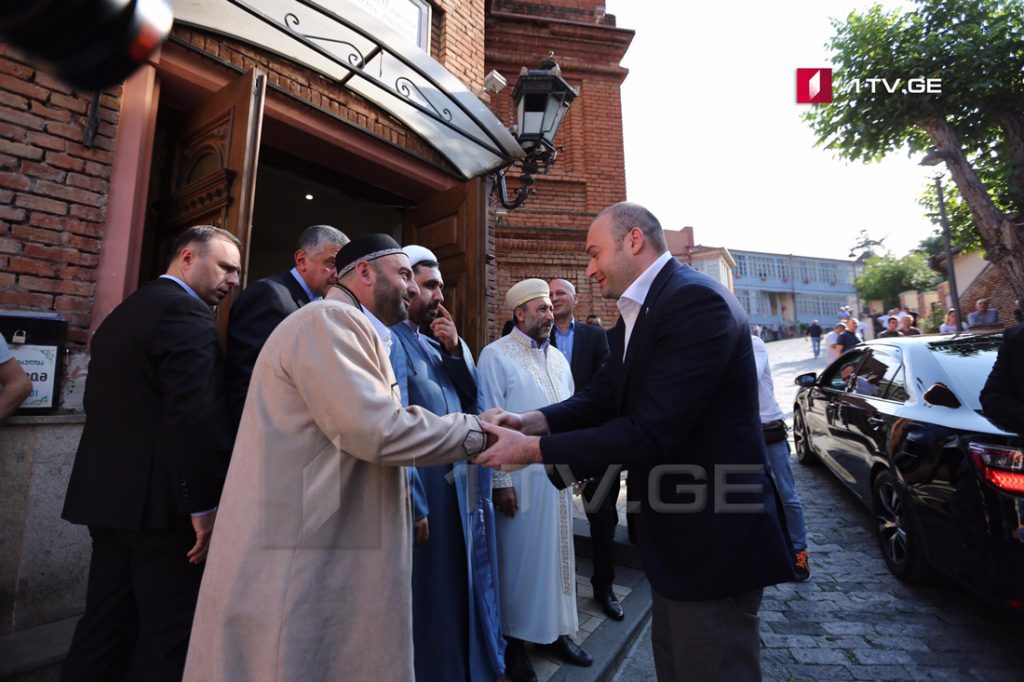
[{"x": 933, "y": 158}]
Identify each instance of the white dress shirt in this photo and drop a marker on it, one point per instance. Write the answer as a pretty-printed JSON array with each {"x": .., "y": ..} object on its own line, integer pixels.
[{"x": 633, "y": 297}]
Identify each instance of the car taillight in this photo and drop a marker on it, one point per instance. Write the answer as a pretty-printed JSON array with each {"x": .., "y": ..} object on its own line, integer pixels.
[{"x": 1000, "y": 465}]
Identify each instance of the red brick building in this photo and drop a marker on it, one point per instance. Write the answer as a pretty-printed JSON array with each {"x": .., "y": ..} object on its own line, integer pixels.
[{"x": 242, "y": 121}]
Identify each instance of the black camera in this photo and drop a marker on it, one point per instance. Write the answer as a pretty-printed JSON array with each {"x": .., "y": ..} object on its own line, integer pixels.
[{"x": 89, "y": 44}]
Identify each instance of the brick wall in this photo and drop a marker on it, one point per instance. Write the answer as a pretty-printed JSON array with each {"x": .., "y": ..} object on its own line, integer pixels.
[
  {"x": 546, "y": 236},
  {"x": 990, "y": 284},
  {"x": 53, "y": 193}
]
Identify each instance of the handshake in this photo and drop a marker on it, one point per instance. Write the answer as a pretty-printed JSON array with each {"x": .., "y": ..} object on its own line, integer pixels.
[{"x": 513, "y": 439}]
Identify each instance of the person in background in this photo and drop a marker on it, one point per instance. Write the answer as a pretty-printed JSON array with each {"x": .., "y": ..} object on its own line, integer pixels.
[
  {"x": 831, "y": 339},
  {"x": 907, "y": 327},
  {"x": 777, "y": 446},
  {"x": 891, "y": 329},
  {"x": 454, "y": 565},
  {"x": 536, "y": 557},
  {"x": 586, "y": 349},
  {"x": 849, "y": 338},
  {"x": 15, "y": 385},
  {"x": 595, "y": 320},
  {"x": 949, "y": 326},
  {"x": 814, "y": 332},
  {"x": 982, "y": 315},
  {"x": 266, "y": 302}
]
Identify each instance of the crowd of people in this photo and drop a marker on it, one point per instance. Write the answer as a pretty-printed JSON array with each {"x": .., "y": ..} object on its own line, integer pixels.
[{"x": 346, "y": 494}]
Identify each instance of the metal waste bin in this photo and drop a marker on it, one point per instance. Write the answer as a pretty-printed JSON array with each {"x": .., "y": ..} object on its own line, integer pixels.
[{"x": 37, "y": 340}]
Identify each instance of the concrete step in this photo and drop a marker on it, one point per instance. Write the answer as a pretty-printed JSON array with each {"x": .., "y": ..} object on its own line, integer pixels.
[{"x": 35, "y": 654}]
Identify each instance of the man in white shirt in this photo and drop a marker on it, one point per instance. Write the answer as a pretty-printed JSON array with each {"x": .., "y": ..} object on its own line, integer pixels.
[{"x": 831, "y": 339}]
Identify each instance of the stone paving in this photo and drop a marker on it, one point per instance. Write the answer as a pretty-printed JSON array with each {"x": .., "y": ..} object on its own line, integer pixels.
[{"x": 853, "y": 620}]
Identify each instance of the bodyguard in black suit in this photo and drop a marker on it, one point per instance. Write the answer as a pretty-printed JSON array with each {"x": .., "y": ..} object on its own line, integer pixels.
[
  {"x": 1002, "y": 398},
  {"x": 586, "y": 346},
  {"x": 149, "y": 468},
  {"x": 677, "y": 404},
  {"x": 266, "y": 302}
]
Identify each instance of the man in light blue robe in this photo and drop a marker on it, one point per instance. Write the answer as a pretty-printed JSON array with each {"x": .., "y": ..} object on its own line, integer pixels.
[{"x": 456, "y": 621}]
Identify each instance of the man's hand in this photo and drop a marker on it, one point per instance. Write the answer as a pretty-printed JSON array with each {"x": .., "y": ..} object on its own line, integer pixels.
[
  {"x": 500, "y": 417},
  {"x": 505, "y": 501},
  {"x": 421, "y": 531},
  {"x": 443, "y": 328},
  {"x": 512, "y": 450},
  {"x": 203, "y": 526}
]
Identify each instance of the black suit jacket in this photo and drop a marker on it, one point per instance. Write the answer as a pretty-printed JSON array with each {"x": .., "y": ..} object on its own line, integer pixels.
[
  {"x": 589, "y": 352},
  {"x": 682, "y": 406},
  {"x": 256, "y": 313},
  {"x": 1002, "y": 399},
  {"x": 154, "y": 448}
]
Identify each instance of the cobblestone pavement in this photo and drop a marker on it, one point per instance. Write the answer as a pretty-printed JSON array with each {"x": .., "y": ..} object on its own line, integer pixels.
[{"x": 853, "y": 620}]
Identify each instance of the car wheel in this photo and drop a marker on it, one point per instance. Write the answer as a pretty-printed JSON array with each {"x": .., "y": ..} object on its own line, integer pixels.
[
  {"x": 898, "y": 534},
  {"x": 801, "y": 440}
]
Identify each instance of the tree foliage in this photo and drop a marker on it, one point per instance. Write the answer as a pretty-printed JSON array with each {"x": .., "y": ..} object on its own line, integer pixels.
[
  {"x": 884, "y": 277},
  {"x": 976, "y": 49}
]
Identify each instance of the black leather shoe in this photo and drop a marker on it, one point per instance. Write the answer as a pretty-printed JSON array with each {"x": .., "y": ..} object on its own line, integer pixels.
[
  {"x": 517, "y": 662},
  {"x": 569, "y": 651},
  {"x": 610, "y": 603}
]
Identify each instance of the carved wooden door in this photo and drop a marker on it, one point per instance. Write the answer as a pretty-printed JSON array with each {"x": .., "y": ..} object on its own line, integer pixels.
[
  {"x": 213, "y": 172},
  {"x": 453, "y": 224}
]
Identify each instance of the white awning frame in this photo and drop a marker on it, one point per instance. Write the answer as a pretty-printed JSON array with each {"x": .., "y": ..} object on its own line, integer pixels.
[{"x": 353, "y": 48}]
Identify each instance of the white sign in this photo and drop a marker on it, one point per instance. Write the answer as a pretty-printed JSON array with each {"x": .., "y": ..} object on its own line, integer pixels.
[
  {"x": 40, "y": 364},
  {"x": 408, "y": 18}
]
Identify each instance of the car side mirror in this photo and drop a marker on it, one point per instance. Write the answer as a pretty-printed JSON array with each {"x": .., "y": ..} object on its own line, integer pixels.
[
  {"x": 939, "y": 395},
  {"x": 806, "y": 380}
]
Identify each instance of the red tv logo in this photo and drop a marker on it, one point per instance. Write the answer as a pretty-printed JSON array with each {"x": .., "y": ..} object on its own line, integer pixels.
[{"x": 813, "y": 86}]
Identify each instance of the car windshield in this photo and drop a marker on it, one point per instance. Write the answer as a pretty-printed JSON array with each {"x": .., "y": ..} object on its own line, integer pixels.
[{"x": 967, "y": 365}]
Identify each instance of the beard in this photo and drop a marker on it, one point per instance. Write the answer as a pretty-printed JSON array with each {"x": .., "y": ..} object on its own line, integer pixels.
[
  {"x": 423, "y": 313},
  {"x": 539, "y": 331},
  {"x": 389, "y": 303}
]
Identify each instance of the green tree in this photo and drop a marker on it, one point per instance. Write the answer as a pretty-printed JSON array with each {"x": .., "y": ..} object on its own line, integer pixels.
[
  {"x": 884, "y": 277},
  {"x": 976, "y": 48}
]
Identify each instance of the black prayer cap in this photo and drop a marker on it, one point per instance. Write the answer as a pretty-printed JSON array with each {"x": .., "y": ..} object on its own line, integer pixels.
[{"x": 366, "y": 247}]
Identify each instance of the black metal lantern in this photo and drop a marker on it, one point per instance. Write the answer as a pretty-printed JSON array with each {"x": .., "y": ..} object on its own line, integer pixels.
[{"x": 542, "y": 97}]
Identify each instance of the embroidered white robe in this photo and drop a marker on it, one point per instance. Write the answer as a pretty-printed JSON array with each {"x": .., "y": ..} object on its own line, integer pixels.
[{"x": 536, "y": 561}]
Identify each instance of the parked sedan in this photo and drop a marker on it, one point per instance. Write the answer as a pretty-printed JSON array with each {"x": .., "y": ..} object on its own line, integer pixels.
[{"x": 899, "y": 422}]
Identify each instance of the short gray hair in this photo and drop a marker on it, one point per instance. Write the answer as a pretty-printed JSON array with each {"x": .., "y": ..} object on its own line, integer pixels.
[
  {"x": 626, "y": 215},
  {"x": 313, "y": 238}
]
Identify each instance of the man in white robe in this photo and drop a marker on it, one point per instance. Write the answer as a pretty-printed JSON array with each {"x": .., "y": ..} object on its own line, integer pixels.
[
  {"x": 309, "y": 573},
  {"x": 536, "y": 561}
]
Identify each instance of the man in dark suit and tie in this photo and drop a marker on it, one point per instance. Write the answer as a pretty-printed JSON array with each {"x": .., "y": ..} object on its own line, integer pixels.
[
  {"x": 677, "y": 404},
  {"x": 586, "y": 348},
  {"x": 266, "y": 302},
  {"x": 149, "y": 468}
]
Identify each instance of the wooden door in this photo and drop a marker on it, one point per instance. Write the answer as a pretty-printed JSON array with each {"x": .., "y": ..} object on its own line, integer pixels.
[
  {"x": 453, "y": 224},
  {"x": 213, "y": 170}
]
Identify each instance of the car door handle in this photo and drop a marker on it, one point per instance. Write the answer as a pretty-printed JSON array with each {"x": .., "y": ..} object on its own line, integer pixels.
[{"x": 877, "y": 422}]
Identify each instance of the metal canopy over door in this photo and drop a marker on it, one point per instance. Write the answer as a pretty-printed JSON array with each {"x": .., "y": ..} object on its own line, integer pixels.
[
  {"x": 213, "y": 176},
  {"x": 453, "y": 224}
]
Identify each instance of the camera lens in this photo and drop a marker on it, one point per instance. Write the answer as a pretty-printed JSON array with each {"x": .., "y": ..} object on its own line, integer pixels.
[{"x": 90, "y": 44}]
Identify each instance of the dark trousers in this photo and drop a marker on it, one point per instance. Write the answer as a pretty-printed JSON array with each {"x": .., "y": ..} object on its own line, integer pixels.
[
  {"x": 602, "y": 533},
  {"x": 138, "y": 607},
  {"x": 705, "y": 641}
]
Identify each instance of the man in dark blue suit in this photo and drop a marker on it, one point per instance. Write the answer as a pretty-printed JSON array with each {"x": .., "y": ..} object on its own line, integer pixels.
[
  {"x": 266, "y": 302},
  {"x": 586, "y": 348},
  {"x": 677, "y": 404},
  {"x": 456, "y": 622}
]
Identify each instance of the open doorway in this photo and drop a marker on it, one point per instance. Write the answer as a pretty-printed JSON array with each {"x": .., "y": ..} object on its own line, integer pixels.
[{"x": 292, "y": 194}]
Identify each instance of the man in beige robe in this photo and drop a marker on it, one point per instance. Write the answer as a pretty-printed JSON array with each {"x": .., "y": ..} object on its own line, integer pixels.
[{"x": 309, "y": 571}]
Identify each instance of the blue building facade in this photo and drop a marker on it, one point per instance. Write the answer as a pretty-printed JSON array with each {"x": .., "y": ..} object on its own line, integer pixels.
[{"x": 790, "y": 291}]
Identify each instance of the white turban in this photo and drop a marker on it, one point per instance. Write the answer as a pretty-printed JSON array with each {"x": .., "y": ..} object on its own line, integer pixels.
[{"x": 527, "y": 290}]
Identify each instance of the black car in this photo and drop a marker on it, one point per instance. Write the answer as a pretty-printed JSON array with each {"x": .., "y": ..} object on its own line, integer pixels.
[{"x": 900, "y": 423}]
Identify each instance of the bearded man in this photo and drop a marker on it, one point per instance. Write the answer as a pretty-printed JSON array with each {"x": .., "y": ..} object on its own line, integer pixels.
[
  {"x": 537, "y": 564},
  {"x": 309, "y": 576}
]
